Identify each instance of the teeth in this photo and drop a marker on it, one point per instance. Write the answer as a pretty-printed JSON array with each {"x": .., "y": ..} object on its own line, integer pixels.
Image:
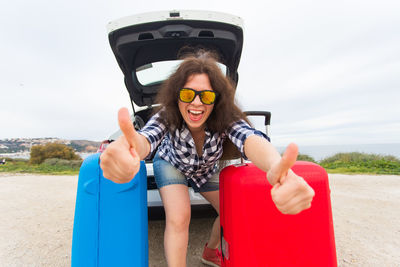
[{"x": 195, "y": 112}]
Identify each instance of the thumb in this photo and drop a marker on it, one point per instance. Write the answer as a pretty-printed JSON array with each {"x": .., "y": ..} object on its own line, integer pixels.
[
  {"x": 133, "y": 152},
  {"x": 126, "y": 126},
  {"x": 287, "y": 161}
]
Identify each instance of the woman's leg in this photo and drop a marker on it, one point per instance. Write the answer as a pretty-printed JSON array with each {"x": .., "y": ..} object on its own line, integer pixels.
[
  {"x": 213, "y": 198},
  {"x": 175, "y": 198}
]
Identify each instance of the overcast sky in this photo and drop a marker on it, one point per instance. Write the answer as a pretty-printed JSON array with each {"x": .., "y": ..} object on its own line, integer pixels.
[{"x": 329, "y": 71}]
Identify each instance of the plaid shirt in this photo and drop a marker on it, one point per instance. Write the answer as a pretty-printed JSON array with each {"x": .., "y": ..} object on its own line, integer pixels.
[{"x": 179, "y": 149}]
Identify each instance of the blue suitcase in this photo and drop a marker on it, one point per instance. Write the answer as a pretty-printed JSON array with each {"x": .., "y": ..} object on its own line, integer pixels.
[{"x": 110, "y": 224}]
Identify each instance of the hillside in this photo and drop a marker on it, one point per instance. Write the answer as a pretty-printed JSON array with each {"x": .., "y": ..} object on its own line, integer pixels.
[{"x": 14, "y": 145}]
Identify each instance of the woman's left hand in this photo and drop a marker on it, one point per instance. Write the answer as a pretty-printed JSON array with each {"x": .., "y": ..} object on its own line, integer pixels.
[{"x": 290, "y": 193}]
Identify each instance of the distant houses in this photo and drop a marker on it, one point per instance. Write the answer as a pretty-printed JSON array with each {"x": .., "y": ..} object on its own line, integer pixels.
[{"x": 21, "y": 145}]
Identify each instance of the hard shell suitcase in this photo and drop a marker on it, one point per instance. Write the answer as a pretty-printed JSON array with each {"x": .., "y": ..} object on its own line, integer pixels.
[
  {"x": 110, "y": 224},
  {"x": 255, "y": 233}
]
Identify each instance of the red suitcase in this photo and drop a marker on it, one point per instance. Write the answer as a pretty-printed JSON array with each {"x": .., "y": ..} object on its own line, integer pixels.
[{"x": 255, "y": 233}]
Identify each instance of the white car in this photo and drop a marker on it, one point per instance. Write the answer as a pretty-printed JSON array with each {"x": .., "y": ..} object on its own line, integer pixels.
[{"x": 146, "y": 48}]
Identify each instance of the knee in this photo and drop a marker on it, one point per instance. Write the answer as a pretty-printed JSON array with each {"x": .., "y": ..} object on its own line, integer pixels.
[{"x": 178, "y": 222}]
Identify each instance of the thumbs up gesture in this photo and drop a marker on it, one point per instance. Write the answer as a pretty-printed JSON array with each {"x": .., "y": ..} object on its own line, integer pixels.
[
  {"x": 120, "y": 161},
  {"x": 290, "y": 193}
]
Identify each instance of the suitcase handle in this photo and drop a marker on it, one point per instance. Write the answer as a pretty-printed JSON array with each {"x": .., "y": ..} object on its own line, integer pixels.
[{"x": 266, "y": 114}]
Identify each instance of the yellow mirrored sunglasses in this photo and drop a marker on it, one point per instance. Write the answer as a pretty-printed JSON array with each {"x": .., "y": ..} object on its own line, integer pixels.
[{"x": 207, "y": 97}]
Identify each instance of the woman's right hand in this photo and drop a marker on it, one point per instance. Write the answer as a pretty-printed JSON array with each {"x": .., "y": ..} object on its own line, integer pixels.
[{"x": 120, "y": 161}]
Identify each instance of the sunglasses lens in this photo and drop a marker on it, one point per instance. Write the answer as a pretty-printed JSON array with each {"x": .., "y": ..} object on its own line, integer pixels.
[
  {"x": 207, "y": 97},
  {"x": 186, "y": 95}
]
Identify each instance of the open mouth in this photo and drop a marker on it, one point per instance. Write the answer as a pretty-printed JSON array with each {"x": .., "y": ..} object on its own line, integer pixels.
[{"x": 195, "y": 115}]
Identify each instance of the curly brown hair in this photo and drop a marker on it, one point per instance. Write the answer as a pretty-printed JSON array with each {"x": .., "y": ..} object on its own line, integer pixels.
[{"x": 225, "y": 110}]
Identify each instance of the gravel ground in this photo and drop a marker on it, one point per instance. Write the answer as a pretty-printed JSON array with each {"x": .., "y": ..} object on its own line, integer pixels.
[{"x": 37, "y": 219}]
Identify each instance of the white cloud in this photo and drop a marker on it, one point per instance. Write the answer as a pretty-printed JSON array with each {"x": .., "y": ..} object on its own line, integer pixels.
[{"x": 328, "y": 71}]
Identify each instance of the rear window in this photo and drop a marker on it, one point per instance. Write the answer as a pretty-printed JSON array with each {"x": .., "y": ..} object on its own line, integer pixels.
[{"x": 157, "y": 72}]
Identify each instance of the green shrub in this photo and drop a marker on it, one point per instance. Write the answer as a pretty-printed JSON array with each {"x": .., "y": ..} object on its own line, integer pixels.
[
  {"x": 359, "y": 157},
  {"x": 40, "y": 153},
  {"x": 362, "y": 163},
  {"x": 63, "y": 162}
]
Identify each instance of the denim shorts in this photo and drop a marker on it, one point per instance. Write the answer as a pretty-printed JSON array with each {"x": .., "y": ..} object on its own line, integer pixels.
[{"x": 166, "y": 174}]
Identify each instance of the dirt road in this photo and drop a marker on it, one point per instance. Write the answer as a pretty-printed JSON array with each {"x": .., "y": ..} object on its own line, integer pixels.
[{"x": 37, "y": 220}]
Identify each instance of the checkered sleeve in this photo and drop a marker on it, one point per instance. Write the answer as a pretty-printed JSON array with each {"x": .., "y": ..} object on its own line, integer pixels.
[
  {"x": 154, "y": 131},
  {"x": 239, "y": 131}
]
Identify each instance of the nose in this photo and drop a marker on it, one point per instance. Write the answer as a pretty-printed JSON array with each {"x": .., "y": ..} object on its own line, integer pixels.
[{"x": 197, "y": 100}]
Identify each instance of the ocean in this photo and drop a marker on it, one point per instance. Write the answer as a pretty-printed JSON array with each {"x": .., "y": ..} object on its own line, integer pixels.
[
  {"x": 317, "y": 152},
  {"x": 324, "y": 151}
]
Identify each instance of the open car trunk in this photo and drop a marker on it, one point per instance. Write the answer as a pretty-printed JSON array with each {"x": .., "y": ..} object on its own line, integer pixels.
[{"x": 146, "y": 46}]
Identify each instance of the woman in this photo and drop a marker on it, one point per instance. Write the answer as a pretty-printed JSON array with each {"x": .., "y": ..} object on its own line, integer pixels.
[{"x": 196, "y": 117}]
